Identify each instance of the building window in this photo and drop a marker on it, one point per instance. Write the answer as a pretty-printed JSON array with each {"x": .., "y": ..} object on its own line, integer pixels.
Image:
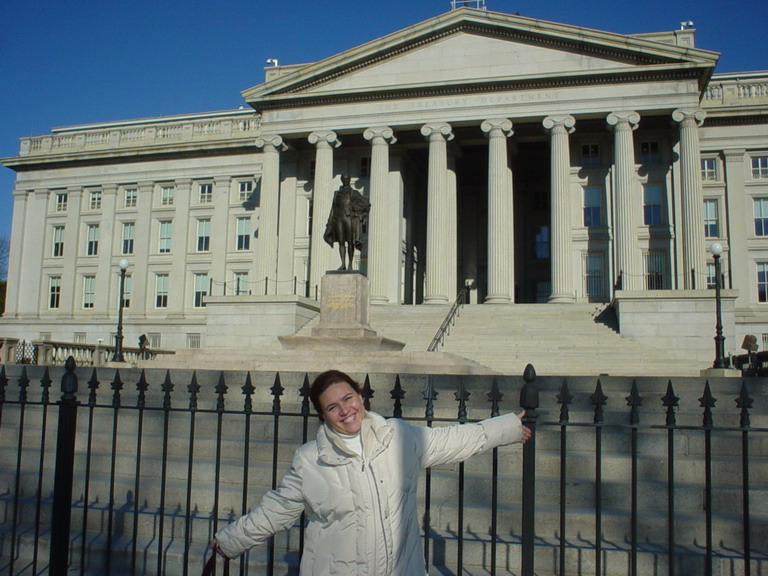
[
  {"x": 711, "y": 228},
  {"x": 161, "y": 290},
  {"x": 79, "y": 338},
  {"x": 649, "y": 153},
  {"x": 593, "y": 198},
  {"x": 203, "y": 235},
  {"x": 164, "y": 244},
  {"x": 651, "y": 204},
  {"x": 95, "y": 200},
  {"x": 590, "y": 155},
  {"x": 89, "y": 285},
  {"x": 58, "y": 242},
  {"x": 166, "y": 195},
  {"x": 711, "y": 276},
  {"x": 127, "y": 290},
  {"x": 244, "y": 233},
  {"x": 54, "y": 292},
  {"x": 312, "y": 167},
  {"x": 542, "y": 243},
  {"x": 310, "y": 210},
  {"x": 129, "y": 232},
  {"x": 654, "y": 270},
  {"x": 201, "y": 290},
  {"x": 130, "y": 197},
  {"x": 709, "y": 169},
  {"x": 241, "y": 283},
  {"x": 761, "y": 216},
  {"x": 365, "y": 167},
  {"x": 155, "y": 339},
  {"x": 245, "y": 189},
  {"x": 61, "y": 201},
  {"x": 193, "y": 340},
  {"x": 759, "y": 167},
  {"x": 594, "y": 280},
  {"x": 205, "y": 193},
  {"x": 762, "y": 281},
  {"x": 92, "y": 244}
]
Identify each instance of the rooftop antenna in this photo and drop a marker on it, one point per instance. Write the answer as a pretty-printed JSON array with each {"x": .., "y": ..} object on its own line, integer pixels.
[
  {"x": 477, "y": 4},
  {"x": 272, "y": 61},
  {"x": 685, "y": 24}
]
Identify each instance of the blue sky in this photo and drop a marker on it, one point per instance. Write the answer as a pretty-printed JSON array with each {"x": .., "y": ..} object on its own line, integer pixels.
[{"x": 67, "y": 62}]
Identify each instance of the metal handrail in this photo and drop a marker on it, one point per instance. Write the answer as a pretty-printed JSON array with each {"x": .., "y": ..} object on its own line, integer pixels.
[{"x": 450, "y": 320}]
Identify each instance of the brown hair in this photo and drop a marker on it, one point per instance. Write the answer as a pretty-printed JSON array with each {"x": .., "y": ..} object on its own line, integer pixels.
[{"x": 325, "y": 381}]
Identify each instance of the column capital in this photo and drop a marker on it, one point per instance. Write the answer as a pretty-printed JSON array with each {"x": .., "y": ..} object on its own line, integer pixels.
[
  {"x": 324, "y": 138},
  {"x": 630, "y": 118},
  {"x": 271, "y": 140},
  {"x": 695, "y": 114},
  {"x": 383, "y": 132},
  {"x": 556, "y": 121},
  {"x": 492, "y": 126},
  {"x": 437, "y": 129}
]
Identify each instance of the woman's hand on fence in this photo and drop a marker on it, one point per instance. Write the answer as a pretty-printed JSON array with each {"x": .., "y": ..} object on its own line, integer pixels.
[
  {"x": 214, "y": 545},
  {"x": 526, "y": 431}
]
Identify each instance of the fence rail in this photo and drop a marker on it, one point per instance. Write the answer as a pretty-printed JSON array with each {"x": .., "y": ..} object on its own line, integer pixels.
[{"x": 134, "y": 474}]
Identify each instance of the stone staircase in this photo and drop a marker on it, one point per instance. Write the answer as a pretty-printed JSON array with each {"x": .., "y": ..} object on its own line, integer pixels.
[{"x": 574, "y": 339}]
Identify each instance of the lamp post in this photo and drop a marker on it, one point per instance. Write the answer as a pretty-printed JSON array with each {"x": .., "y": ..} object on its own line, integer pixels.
[
  {"x": 118, "y": 355},
  {"x": 716, "y": 249}
]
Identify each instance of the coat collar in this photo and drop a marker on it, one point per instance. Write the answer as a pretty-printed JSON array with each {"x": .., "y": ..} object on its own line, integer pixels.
[{"x": 376, "y": 432}]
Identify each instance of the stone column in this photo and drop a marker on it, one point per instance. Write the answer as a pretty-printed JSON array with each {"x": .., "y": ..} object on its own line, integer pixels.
[
  {"x": 15, "y": 257},
  {"x": 560, "y": 234},
  {"x": 741, "y": 210},
  {"x": 694, "y": 254},
  {"x": 500, "y": 227},
  {"x": 266, "y": 246},
  {"x": 623, "y": 123},
  {"x": 439, "y": 228},
  {"x": 380, "y": 246},
  {"x": 321, "y": 255}
]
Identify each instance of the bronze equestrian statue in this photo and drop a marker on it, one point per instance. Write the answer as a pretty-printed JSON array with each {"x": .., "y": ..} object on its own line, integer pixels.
[{"x": 345, "y": 222}]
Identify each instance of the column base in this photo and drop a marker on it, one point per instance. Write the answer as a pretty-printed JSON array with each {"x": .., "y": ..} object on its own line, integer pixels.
[
  {"x": 436, "y": 300},
  {"x": 497, "y": 299},
  {"x": 561, "y": 299}
]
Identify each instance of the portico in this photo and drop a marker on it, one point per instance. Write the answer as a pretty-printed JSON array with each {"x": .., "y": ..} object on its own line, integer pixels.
[{"x": 422, "y": 130}]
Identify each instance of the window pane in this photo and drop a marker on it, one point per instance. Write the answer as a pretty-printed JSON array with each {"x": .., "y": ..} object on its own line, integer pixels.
[
  {"x": 762, "y": 282},
  {"x": 592, "y": 206},
  {"x": 164, "y": 246},
  {"x": 710, "y": 219},
  {"x": 651, "y": 204},
  {"x": 761, "y": 216},
  {"x": 201, "y": 290},
  {"x": 760, "y": 167},
  {"x": 161, "y": 291},
  {"x": 54, "y": 292}
]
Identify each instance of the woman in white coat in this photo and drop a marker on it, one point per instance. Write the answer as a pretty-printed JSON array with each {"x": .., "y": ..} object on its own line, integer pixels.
[{"x": 357, "y": 482}]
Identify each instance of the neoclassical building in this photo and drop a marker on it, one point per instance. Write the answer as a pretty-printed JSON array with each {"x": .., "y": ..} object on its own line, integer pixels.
[{"x": 533, "y": 161}]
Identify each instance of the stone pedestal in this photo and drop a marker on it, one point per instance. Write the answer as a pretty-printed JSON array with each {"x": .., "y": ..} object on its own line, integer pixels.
[{"x": 345, "y": 307}]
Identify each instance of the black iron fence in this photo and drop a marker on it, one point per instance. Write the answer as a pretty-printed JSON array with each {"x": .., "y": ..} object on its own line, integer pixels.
[{"x": 135, "y": 474}]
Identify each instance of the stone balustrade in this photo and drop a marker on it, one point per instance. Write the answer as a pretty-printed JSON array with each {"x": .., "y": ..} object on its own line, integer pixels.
[
  {"x": 215, "y": 127},
  {"x": 50, "y": 353}
]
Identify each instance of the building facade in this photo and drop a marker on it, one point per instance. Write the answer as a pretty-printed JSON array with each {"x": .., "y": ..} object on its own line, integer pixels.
[{"x": 530, "y": 160}]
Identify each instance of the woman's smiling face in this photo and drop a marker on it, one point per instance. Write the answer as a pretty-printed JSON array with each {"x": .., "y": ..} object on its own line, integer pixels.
[{"x": 342, "y": 408}]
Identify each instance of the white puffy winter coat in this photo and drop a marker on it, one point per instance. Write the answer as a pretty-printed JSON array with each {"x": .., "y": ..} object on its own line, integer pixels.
[{"x": 362, "y": 509}]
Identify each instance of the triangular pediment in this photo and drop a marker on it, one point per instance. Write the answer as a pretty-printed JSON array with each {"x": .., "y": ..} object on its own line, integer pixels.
[{"x": 478, "y": 50}]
